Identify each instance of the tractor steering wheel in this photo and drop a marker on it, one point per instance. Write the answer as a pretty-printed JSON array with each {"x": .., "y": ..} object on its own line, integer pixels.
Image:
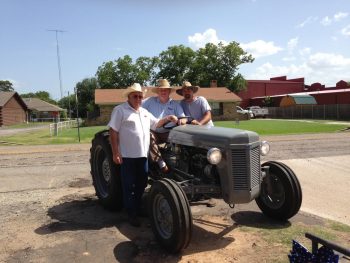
[{"x": 170, "y": 125}]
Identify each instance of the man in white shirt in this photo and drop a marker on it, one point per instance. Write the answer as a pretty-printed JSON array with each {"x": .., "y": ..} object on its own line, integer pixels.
[
  {"x": 197, "y": 107},
  {"x": 129, "y": 131}
]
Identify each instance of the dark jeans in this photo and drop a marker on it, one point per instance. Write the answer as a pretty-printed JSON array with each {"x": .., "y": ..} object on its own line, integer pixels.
[{"x": 134, "y": 181}]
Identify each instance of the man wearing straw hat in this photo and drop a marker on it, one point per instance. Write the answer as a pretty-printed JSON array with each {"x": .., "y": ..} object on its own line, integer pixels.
[
  {"x": 129, "y": 131},
  {"x": 195, "y": 106},
  {"x": 162, "y": 105}
]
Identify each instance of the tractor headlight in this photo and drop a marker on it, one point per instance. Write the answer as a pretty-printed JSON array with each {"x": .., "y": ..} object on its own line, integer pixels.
[
  {"x": 214, "y": 155},
  {"x": 264, "y": 148}
]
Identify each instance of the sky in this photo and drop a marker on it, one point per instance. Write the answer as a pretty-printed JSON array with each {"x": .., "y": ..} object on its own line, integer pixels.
[{"x": 293, "y": 38}]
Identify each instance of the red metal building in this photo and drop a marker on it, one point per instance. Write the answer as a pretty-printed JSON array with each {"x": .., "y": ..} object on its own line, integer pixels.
[
  {"x": 274, "y": 86},
  {"x": 279, "y": 87}
]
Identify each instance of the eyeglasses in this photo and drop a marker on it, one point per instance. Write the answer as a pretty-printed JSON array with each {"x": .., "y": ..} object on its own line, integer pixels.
[{"x": 137, "y": 97}]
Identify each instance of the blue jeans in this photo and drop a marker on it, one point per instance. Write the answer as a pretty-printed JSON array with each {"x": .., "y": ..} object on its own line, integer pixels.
[{"x": 134, "y": 181}]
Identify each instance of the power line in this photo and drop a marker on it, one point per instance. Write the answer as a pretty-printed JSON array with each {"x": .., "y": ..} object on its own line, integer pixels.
[{"x": 58, "y": 58}]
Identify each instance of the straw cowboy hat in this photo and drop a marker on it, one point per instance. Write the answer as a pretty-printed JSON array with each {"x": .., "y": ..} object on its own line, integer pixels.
[
  {"x": 136, "y": 87},
  {"x": 187, "y": 84},
  {"x": 163, "y": 84}
]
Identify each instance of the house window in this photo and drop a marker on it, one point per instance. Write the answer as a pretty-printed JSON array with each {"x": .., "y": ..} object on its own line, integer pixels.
[{"x": 216, "y": 108}]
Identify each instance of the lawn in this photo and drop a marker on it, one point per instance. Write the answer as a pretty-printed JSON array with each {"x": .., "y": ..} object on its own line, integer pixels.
[
  {"x": 42, "y": 136},
  {"x": 274, "y": 127},
  {"x": 262, "y": 127}
]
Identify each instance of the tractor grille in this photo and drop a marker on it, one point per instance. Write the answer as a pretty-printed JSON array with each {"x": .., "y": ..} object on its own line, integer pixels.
[{"x": 245, "y": 168}]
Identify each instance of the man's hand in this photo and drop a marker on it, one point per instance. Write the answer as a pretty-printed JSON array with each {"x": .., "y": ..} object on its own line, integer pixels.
[
  {"x": 195, "y": 122},
  {"x": 182, "y": 121},
  {"x": 172, "y": 118},
  {"x": 117, "y": 158}
]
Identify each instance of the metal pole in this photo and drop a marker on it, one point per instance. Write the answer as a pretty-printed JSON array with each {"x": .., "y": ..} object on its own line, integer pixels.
[
  {"x": 58, "y": 59},
  {"x": 76, "y": 99},
  {"x": 69, "y": 106}
]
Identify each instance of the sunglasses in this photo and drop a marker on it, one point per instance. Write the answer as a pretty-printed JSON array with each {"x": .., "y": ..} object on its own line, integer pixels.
[{"x": 137, "y": 97}]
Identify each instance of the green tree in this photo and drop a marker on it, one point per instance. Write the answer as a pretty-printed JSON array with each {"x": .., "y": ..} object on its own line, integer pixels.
[
  {"x": 220, "y": 62},
  {"x": 145, "y": 70},
  {"x": 43, "y": 95},
  {"x": 68, "y": 103},
  {"x": 175, "y": 64},
  {"x": 6, "y": 85},
  {"x": 123, "y": 72},
  {"x": 268, "y": 102},
  {"x": 86, "y": 95}
]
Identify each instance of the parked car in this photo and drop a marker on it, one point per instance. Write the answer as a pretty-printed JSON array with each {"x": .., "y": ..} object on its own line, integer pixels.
[
  {"x": 258, "y": 111},
  {"x": 242, "y": 111}
]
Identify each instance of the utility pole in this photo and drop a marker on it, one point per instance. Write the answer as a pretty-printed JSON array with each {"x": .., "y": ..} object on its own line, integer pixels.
[
  {"x": 69, "y": 106},
  {"x": 77, "y": 103},
  {"x": 58, "y": 58}
]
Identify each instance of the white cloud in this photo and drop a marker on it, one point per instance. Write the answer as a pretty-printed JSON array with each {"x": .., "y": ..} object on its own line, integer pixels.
[
  {"x": 288, "y": 59},
  {"x": 305, "y": 51},
  {"x": 328, "y": 60},
  {"x": 326, "y": 21},
  {"x": 346, "y": 31},
  {"x": 308, "y": 20},
  {"x": 292, "y": 43},
  {"x": 339, "y": 16},
  {"x": 326, "y": 68},
  {"x": 199, "y": 40},
  {"x": 261, "y": 48}
]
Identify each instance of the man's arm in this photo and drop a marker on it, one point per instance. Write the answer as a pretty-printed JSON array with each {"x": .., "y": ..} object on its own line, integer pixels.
[
  {"x": 166, "y": 119},
  {"x": 205, "y": 119},
  {"x": 114, "y": 139}
]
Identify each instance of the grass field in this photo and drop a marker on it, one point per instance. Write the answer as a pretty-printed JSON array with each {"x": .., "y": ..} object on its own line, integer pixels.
[
  {"x": 270, "y": 127},
  {"x": 262, "y": 127}
]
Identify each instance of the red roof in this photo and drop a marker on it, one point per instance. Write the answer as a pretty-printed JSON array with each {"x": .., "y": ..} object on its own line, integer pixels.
[{"x": 114, "y": 96}]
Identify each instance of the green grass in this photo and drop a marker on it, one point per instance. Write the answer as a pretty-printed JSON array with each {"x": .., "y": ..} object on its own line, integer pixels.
[
  {"x": 269, "y": 127},
  {"x": 42, "y": 136},
  {"x": 262, "y": 127},
  {"x": 282, "y": 235}
]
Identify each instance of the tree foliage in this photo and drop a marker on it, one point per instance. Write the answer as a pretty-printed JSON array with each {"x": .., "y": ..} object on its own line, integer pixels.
[
  {"x": 123, "y": 72},
  {"x": 43, "y": 95},
  {"x": 175, "y": 64},
  {"x": 178, "y": 63},
  {"x": 221, "y": 63},
  {"x": 86, "y": 98},
  {"x": 6, "y": 85}
]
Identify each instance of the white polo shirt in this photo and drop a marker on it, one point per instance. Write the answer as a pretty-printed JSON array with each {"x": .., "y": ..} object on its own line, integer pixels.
[{"x": 133, "y": 128}]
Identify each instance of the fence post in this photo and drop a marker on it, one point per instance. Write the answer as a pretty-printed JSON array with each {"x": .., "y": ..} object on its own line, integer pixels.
[{"x": 55, "y": 129}]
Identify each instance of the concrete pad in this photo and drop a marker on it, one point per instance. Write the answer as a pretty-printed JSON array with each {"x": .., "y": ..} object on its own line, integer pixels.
[{"x": 325, "y": 183}]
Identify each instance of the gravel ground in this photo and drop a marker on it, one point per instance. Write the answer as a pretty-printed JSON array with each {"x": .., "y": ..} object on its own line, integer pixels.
[{"x": 49, "y": 212}]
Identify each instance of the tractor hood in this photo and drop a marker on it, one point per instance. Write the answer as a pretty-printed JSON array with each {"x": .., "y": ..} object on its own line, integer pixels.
[{"x": 207, "y": 137}]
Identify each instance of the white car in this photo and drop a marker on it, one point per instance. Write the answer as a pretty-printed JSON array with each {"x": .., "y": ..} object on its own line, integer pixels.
[
  {"x": 258, "y": 112},
  {"x": 242, "y": 111}
]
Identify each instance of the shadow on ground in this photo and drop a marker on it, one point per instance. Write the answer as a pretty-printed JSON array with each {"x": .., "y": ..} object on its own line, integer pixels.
[{"x": 77, "y": 212}]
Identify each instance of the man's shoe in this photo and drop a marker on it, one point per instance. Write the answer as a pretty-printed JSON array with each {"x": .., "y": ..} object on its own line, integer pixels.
[
  {"x": 134, "y": 221},
  {"x": 165, "y": 169}
]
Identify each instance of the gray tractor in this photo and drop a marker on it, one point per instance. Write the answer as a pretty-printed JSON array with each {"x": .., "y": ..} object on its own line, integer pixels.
[{"x": 205, "y": 163}]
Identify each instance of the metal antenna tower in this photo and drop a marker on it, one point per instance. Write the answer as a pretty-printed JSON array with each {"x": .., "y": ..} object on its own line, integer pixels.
[{"x": 58, "y": 58}]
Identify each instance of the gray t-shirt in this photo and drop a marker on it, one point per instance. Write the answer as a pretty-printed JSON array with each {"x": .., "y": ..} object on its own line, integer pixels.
[{"x": 197, "y": 108}]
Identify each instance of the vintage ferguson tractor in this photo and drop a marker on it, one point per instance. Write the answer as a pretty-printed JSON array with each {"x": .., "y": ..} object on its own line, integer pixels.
[{"x": 211, "y": 162}]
